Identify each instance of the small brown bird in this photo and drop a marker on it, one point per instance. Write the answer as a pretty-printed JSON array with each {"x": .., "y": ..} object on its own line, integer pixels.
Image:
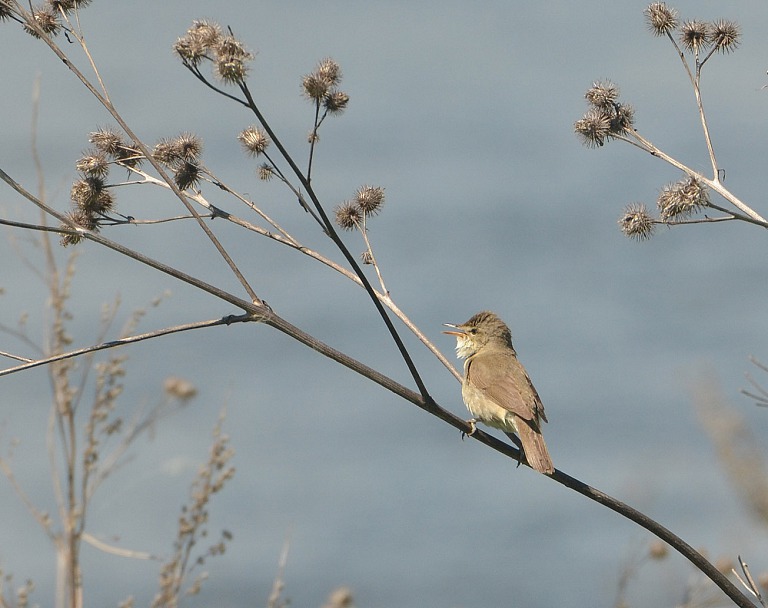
[{"x": 496, "y": 389}]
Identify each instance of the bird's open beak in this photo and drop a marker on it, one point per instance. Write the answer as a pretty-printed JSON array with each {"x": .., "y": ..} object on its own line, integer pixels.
[{"x": 457, "y": 331}]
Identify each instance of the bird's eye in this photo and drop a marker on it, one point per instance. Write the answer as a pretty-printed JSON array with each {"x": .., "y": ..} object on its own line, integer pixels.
[{"x": 473, "y": 330}]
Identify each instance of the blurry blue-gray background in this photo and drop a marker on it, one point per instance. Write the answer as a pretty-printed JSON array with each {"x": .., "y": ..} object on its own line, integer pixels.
[{"x": 464, "y": 114}]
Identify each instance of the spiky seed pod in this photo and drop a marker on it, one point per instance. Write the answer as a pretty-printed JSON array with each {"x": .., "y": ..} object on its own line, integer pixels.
[
  {"x": 315, "y": 87},
  {"x": 254, "y": 140},
  {"x": 188, "y": 146},
  {"x": 622, "y": 120},
  {"x": 369, "y": 199},
  {"x": 231, "y": 60},
  {"x": 187, "y": 175},
  {"x": 602, "y": 94},
  {"x": 593, "y": 128},
  {"x": 108, "y": 141},
  {"x": 6, "y": 11},
  {"x": 47, "y": 20},
  {"x": 265, "y": 172},
  {"x": 329, "y": 70},
  {"x": 206, "y": 33},
  {"x": 695, "y": 35},
  {"x": 348, "y": 216},
  {"x": 81, "y": 219},
  {"x": 85, "y": 193},
  {"x": 636, "y": 222},
  {"x": 164, "y": 152},
  {"x": 660, "y": 18},
  {"x": 129, "y": 156},
  {"x": 190, "y": 50},
  {"x": 682, "y": 199},
  {"x": 725, "y": 35},
  {"x": 335, "y": 102},
  {"x": 93, "y": 163}
]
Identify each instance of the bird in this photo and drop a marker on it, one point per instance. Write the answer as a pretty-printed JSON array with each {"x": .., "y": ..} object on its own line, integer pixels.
[{"x": 496, "y": 388}]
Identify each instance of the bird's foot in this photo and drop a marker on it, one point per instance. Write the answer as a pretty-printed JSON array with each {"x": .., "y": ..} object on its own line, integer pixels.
[{"x": 473, "y": 426}]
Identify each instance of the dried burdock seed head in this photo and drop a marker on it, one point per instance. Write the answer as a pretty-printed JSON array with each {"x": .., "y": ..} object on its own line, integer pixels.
[
  {"x": 206, "y": 33},
  {"x": 623, "y": 119},
  {"x": 369, "y": 199},
  {"x": 5, "y": 10},
  {"x": 695, "y": 35},
  {"x": 108, "y": 141},
  {"x": 186, "y": 175},
  {"x": 661, "y": 19},
  {"x": 366, "y": 257},
  {"x": 335, "y": 102},
  {"x": 315, "y": 87},
  {"x": 636, "y": 222},
  {"x": 593, "y": 128},
  {"x": 189, "y": 50},
  {"x": 85, "y": 192},
  {"x": 165, "y": 153},
  {"x": 81, "y": 219},
  {"x": 188, "y": 146},
  {"x": 682, "y": 199},
  {"x": 129, "y": 156},
  {"x": 329, "y": 70},
  {"x": 231, "y": 60},
  {"x": 725, "y": 35},
  {"x": 67, "y": 6},
  {"x": 47, "y": 20},
  {"x": 93, "y": 163},
  {"x": 265, "y": 172},
  {"x": 254, "y": 140},
  {"x": 348, "y": 216},
  {"x": 602, "y": 94}
]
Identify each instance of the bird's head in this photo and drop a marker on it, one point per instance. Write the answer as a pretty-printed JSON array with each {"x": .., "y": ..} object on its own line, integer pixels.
[{"x": 484, "y": 328}]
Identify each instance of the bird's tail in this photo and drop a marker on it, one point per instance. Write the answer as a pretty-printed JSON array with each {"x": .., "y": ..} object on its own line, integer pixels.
[{"x": 535, "y": 449}]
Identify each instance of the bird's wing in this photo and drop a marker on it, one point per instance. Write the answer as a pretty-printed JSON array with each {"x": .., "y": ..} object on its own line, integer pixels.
[{"x": 507, "y": 390}]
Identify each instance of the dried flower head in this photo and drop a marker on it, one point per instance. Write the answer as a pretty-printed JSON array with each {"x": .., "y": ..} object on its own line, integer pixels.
[
  {"x": 206, "y": 33},
  {"x": 254, "y": 140},
  {"x": 85, "y": 192},
  {"x": 47, "y": 19},
  {"x": 315, "y": 87},
  {"x": 348, "y": 216},
  {"x": 682, "y": 199},
  {"x": 369, "y": 199},
  {"x": 265, "y": 172},
  {"x": 695, "y": 35},
  {"x": 636, "y": 222},
  {"x": 80, "y": 219},
  {"x": 6, "y": 10},
  {"x": 201, "y": 37},
  {"x": 622, "y": 119},
  {"x": 661, "y": 19},
  {"x": 594, "y": 127},
  {"x": 602, "y": 94},
  {"x": 725, "y": 35},
  {"x": 93, "y": 163},
  {"x": 335, "y": 102},
  {"x": 108, "y": 141},
  {"x": 188, "y": 146},
  {"x": 231, "y": 64},
  {"x": 186, "y": 175},
  {"x": 329, "y": 70}
]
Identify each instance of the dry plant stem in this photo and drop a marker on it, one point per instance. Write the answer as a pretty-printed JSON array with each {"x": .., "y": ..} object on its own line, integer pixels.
[
  {"x": 331, "y": 232},
  {"x": 147, "y": 154},
  {"x": 750, "y": 584},
  {"x": 641, "y": 142},
  {"x": 364, "y": 231}
]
